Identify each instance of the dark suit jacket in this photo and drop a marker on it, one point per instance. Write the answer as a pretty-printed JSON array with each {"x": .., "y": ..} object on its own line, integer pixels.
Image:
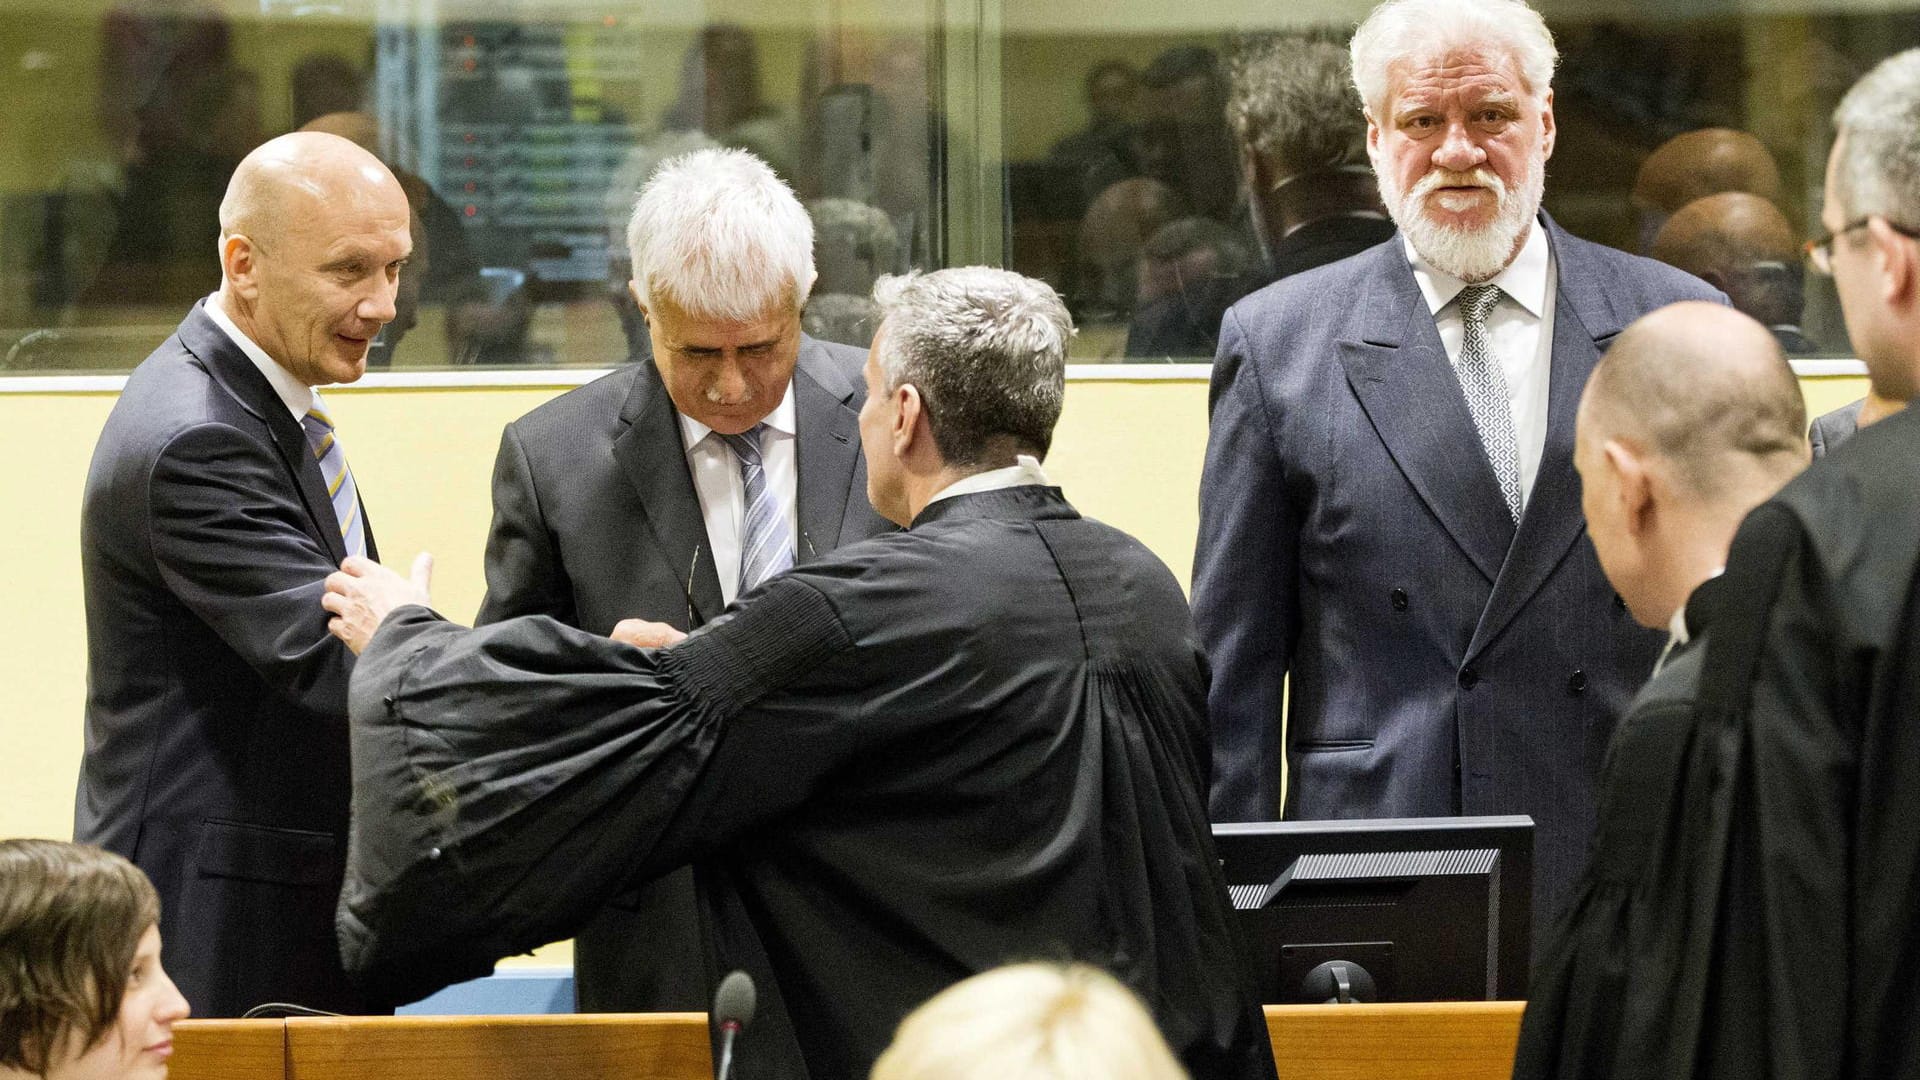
[
  {"x": 1352, "y": 535},
  {"x": 595, "y": 519},
  {"x": 1831, "y": 429},
  {"x": 1187, "y": 326},
  {"x": 216, "y": 753}
]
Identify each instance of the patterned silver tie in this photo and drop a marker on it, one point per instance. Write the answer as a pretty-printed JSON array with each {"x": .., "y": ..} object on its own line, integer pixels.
[
  {"x": 1486, "y": 389},
  {"x": 766, "y": 540},
  {"x": 333, "y": 469}
]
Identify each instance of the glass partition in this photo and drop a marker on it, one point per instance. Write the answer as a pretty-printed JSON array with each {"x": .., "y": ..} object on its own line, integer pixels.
[{"x": 1087, "y": 142}]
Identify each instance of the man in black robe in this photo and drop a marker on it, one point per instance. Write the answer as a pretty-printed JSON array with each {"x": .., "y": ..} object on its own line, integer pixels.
[
  {"x": 913, "y": 759},
  {"x": 1783, "y": 884},
  {"x": 1692, "y": 419}
]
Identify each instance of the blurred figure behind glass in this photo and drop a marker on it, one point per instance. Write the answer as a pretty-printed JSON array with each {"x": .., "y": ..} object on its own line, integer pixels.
[{"x": 1742, "y": 245}]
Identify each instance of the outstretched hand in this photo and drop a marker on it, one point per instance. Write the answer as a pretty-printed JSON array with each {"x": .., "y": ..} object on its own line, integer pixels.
[
  {"x": 362, "y": 593},
  {"x": 642, "y": 634}
]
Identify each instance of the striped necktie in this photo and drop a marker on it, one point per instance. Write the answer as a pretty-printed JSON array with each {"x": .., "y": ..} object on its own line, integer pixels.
[
  {"x": 1486, "y": 390},
  {"x": 333, "y": 469},
  {"x": 766, "y": 540}
]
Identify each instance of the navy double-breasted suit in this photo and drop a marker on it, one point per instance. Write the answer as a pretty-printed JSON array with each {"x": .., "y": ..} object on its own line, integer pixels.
[{"x": 1442, "y": 659}]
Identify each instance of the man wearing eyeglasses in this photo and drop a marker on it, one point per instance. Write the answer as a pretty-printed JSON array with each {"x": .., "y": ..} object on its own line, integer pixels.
[{"x": 1786, "y": 892}]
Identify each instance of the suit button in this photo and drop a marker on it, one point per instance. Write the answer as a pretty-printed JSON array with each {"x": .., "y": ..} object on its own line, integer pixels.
[
  {"x": 1468, "y": 677},
  {"x": 1577, "y": 682},
  {"x": 1399, "y": 599}
]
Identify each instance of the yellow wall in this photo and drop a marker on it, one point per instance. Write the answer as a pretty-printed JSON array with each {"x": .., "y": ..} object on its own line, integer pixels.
[{"x": 1128, "y": 453}]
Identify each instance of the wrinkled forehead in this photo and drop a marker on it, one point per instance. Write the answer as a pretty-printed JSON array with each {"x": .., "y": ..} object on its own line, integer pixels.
[{"x": 1474, "y": 74}]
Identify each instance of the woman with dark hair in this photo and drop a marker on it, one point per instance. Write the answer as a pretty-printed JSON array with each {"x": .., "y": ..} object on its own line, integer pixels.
[{"x": 82, "y": 994}]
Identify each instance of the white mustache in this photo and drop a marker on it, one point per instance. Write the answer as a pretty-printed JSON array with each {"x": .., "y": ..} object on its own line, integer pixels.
[{"x": 1481, "y": 176}]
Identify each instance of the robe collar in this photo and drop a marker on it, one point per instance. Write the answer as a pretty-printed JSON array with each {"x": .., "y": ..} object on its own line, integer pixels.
[{"x": 1028, "y": 502}]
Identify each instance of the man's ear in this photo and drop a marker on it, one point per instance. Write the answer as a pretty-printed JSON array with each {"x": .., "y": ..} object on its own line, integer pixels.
[
  {"x": 908, "y": 413},
  {"x": 1547, "y": 130},
  {"x": 633, "y": 290},
  {"x": 240, "y": 260},
  {"x": 1894, "y": 256},
  {"x": 1634, "y": 489}
]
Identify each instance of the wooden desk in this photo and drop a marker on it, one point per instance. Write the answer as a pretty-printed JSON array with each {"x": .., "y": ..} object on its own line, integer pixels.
[
  {"x": 1442, "y": 1041},
  {"x": 229, "y": 1050}
]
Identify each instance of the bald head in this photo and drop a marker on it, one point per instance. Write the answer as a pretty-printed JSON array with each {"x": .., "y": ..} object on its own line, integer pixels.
[
  {"x": 1706, "y": 392},
  {"x": 305, "y": 173},
  {"x": 313, "y": 233},
  {"x": 1702, "y": 163},
  {"x": 1742, "y": 245},
  {"x": 1691, "y": 420}
]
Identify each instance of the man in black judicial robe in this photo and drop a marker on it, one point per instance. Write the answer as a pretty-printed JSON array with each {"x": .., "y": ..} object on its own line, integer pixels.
[
  {"x": 1780, "y": 937},
  {"x": 908, "y": 761},
  {"x": 1692, "y": 419}
]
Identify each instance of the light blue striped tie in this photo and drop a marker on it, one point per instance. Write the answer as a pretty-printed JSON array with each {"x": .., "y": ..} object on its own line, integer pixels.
[
  {"x": 766, "y": 540},
  {"x": 333, "y": 469}
]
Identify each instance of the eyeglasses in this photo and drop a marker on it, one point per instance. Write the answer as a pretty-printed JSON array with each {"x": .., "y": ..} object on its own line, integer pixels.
[{"x": 1820, "y": 252}]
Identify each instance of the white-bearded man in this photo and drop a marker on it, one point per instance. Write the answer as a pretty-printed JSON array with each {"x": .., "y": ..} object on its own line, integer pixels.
[{"x": 1390, "y": 514}]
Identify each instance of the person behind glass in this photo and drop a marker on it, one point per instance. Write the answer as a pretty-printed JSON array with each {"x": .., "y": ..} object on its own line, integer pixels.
[
  {"x": 675, "y": 484},
  {"x": 218, "y": 500},
  {"x": 1695, "y": 164},
  {"x": 1691, "y": 420},
  {"x": 1311, "y": 196},
  {"x": 1389, "y": 512},
  {"x": 1113, "y": 102},
  {"x": 82, "y": 992},
  {"x": 1030, "y": 1022},
  {"x": 1742, "y": 245}
]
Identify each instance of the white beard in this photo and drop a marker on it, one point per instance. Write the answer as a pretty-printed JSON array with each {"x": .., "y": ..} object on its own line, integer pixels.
[{"x": 1472, "y": 255}]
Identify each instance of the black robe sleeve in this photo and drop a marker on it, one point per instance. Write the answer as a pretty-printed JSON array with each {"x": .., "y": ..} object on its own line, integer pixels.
[{"x": 509, "y": 780}]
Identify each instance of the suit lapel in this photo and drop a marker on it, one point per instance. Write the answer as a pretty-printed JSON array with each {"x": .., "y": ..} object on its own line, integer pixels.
[
  {"x": 1398, "y": 369},
  {"x": 650, "y": 453},
  {"x": 827, "y": 449},
  {"x": 1583, "y": 325},
  {"x": 236, "y": 374}
]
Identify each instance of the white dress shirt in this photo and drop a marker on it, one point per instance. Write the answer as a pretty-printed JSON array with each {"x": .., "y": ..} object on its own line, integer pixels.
[
  {"x": 1024, "y": 471},
  {"x": 723, "y": 495},
  {"x": 295, "y": 395},
  {"x": 1520, "y": 329}
]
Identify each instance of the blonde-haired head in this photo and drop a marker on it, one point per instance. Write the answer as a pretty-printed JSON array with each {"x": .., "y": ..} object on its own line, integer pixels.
[{"x": 1030, "y": 1022}]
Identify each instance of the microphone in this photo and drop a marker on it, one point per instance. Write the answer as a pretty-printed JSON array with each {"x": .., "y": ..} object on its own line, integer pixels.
[{"x": 732, "y": 1012}]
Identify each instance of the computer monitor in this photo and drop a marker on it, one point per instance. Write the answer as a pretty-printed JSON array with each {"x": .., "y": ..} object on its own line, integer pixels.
[{"x": 1428, "y": 909}]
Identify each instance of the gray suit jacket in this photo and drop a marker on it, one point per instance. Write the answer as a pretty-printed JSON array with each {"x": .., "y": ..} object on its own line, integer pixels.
[
  {"x": 595, "y": 519},
  {"x": 216, "y": 718},
  {"x": 1831, "y": 429},
  {"x": 1352, "y": 535}
]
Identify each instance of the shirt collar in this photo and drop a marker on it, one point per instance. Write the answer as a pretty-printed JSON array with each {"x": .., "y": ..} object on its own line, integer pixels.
[
  {"x": 1525, "y": 279},
  {"x": 1024, "y": 471},
  {"x": 1677, "y": 626},
  {"x": 781, "y": 419},
  {"x": 298, "y": 397}
]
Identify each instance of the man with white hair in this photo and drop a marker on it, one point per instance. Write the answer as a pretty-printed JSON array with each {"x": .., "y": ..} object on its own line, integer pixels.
[
  {"x": 667, "y": 488},
  {"x": 979, "y": 740},
  {"x": 1389, "y": 512}
]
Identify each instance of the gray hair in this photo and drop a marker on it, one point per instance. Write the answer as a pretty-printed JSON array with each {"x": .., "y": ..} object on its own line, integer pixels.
[
  {"x": 1879, "y": 167},
  {"x": 986, "y": 348},
  {"x": 1401, "y": 32},
  {"x": 1293, "y": 101},
  {"x": 720, "y": 236}
]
